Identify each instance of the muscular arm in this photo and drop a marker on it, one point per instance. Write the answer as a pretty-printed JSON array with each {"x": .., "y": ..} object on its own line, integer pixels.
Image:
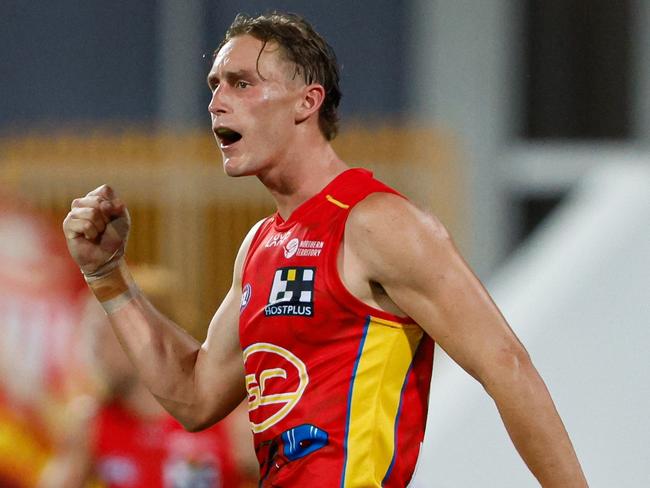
[
  {"x": 197, "y": 384},
  {"x": 413, "y": 258}
]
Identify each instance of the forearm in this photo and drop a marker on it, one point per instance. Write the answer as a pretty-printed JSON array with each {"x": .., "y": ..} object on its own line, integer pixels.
[
  {"x": 197, "y": 384},
  {"x": 164, "y": 355},
  {"x": 530, "y": 417}
]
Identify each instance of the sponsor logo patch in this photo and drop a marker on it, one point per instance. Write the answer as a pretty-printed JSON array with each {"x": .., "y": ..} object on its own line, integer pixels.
[
  {"x": 296, "y": 247},
  {"x": 277, "y": 239},
  {"x": 292, "y": 292},
  {"x": 291, "y": 248}
]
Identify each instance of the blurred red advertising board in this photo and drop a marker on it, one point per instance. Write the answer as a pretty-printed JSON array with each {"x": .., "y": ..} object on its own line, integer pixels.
[{"x": 40, "y": 361}]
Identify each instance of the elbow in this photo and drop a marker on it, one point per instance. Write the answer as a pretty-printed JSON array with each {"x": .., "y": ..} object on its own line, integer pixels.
[
  {"x": 511, "y": 366},
  {"x": 193, "y": 426},
  {"x": 203, "y": 412},
  {"x": 196, "y": 423}
]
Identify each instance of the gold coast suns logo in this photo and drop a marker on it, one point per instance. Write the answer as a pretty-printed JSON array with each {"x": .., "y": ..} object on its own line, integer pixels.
[{"x": 273, "y": 392}]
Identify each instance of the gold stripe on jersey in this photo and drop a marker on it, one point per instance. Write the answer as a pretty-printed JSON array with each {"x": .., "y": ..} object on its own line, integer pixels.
[
  {"x": 333, "y": 200},
  {"x": 382, "y": 365}
]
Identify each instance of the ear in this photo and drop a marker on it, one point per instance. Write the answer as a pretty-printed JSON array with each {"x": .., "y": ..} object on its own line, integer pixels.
[{"x": 311, "y": 99}]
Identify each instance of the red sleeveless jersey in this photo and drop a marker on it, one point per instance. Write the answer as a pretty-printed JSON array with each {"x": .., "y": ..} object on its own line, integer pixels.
[{"x": 337, "y": 390}]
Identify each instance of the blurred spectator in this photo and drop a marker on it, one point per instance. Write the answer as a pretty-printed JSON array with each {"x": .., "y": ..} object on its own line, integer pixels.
[{"x": 123, "y": 438}]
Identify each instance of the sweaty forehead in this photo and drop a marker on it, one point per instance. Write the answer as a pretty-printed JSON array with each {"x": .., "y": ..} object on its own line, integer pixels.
[{"x": 245, "y": 53}]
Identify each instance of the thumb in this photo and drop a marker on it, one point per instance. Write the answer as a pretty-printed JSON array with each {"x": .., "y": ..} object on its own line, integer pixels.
[{"x": 116, "y": 233}]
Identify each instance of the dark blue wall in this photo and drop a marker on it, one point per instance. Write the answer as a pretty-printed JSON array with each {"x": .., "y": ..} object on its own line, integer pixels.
[
  {"x": 76, "y": 60},
  {"x": 72, "y": 61}
]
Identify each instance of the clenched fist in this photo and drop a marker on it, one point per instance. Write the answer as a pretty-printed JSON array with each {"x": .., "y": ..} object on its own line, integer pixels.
[{"x": 96, "y": 230}]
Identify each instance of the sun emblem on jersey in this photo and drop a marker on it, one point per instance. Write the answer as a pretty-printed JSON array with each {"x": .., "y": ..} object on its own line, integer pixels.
[{"x": 274, "y": 392}]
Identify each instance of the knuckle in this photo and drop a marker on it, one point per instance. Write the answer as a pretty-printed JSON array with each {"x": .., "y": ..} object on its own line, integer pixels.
[{"x": 106, "y": 190}]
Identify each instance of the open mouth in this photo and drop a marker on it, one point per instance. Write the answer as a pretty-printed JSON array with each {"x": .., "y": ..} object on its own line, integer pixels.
[{"x": 227, "y": 137}]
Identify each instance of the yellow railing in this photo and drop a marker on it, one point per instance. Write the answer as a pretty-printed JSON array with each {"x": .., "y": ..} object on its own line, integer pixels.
[{"x": 187, "y": 215}]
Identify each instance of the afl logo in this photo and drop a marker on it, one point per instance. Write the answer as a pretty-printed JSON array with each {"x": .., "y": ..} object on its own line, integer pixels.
[
  {"x": 291, "y": 248},
  {"x": 245, "y": 296},
  {"x": 274, "y": 391}
]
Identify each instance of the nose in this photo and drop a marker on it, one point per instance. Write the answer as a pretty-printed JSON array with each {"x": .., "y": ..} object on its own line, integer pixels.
[{"x": 217, "y": 103}]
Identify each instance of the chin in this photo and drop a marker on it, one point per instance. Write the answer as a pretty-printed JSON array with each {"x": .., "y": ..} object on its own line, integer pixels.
[{"x": 233, "y": 169}]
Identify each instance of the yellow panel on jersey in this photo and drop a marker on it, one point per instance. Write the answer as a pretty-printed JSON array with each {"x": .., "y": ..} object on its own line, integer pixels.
[{"x": 385, "y": 357}]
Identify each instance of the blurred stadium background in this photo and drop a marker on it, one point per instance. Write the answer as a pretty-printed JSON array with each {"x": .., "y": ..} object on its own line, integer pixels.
[{"x": 524, "y": 125}]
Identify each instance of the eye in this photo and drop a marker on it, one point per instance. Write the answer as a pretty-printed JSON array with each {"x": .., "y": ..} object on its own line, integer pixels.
[{"x": 242, "y": 84}]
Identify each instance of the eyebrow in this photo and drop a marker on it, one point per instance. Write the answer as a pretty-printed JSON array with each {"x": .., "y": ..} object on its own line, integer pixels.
[{"x": 230, "y": 75}]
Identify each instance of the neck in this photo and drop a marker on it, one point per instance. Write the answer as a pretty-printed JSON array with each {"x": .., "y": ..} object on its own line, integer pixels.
[{"x": 303, "y": 174}]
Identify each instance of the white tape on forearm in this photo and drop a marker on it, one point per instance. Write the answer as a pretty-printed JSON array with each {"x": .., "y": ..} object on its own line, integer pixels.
[
  {"x": 115, "y": 304},
  {"x": 114, "y": 288}
]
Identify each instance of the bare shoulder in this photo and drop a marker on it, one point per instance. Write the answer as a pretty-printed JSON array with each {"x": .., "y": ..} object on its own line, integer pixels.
[
  {"x": 246, "y": 243},
  {"x": 380, "y": 212},
  {"x": 392, "y": 237}
]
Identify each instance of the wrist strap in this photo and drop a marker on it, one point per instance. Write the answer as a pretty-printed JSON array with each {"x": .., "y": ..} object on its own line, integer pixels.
[{"x": 115, "y": 287}]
